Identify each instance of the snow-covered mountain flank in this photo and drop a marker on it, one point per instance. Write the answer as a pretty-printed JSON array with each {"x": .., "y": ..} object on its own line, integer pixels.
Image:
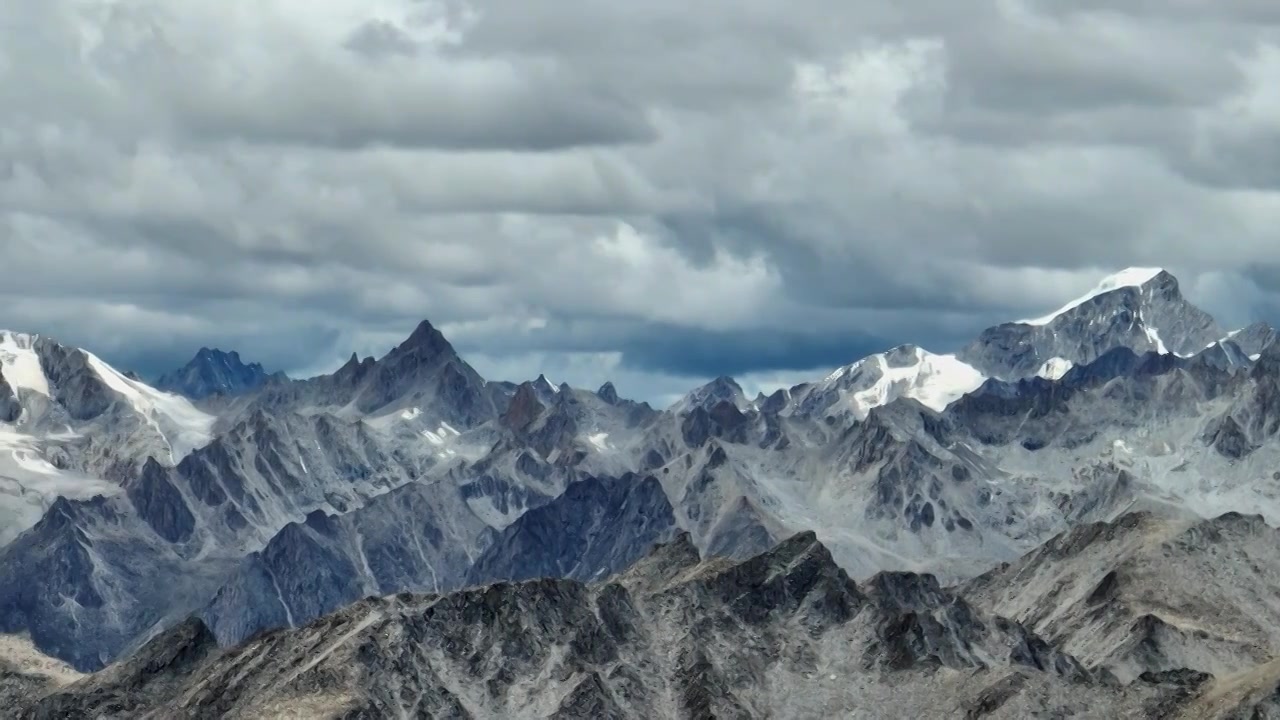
[{"x": 1002, "y": 513}]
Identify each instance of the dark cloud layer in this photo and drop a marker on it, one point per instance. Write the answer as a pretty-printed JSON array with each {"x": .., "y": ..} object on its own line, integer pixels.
[{"x": 655, "y": 192}]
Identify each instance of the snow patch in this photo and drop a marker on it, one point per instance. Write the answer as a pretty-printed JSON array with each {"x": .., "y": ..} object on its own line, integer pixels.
[
  {"x": 1055, "y": 368},
  {"x": 1154, "y": 337},
  {"x": 599, "y": 440},
  {"x": 20, "y": 365},
  {"x": 935, "y": 381},
  {"x": 30, "y": 461},
  {"x": 411, "y": 414},
  {"x": 29, "y": 483},
  {"x": 183, "y": 426},
  {"x": 1130, "y": 277}
]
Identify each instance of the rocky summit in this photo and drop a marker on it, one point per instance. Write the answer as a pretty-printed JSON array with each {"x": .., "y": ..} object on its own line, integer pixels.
[
  {"x": 213, "y": 372},
  {"x": 1067, "y": 516}
]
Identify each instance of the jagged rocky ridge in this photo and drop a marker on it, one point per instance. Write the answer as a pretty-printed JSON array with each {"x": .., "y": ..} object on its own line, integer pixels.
[
  {"x": 215, "y": 372},
  {"x": 1093, "y": 631},
  {"x": 786, "y": 633},
  {"x": 412, "y": 473}
]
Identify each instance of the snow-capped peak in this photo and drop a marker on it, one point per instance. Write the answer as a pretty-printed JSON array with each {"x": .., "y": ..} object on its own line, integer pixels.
[
  {"x": 1129, "y": 277},
  {"x": 903, "y": 372}
]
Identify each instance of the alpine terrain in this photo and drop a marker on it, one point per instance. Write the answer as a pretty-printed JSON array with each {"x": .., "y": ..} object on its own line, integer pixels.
[{"x": 1069, "y": 516}]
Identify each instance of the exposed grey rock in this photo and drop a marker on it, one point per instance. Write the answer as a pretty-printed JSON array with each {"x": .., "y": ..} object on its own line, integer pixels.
[
  {"x": 10, "y": 408},
  {"x": 1146, "y": 594},
  {"x": 740, "y": 532},
  {"x": 423, "y": 372},
  {"x": 1255, "y": 338},
  {"x": 723, "y": 389},
  {"x": 597, "y": 528},
  {"x": 1153, "y": 317},
  {"x": 76, "y": 387},
  {"x": 608, "y": 393},
  {"x": 524, "y": 409},
  {"x": 415, "y": 538},
  {"x": 784, "y": 634},
  {"x": 161, "y": 550},
  {"x": 160, "y": 504}
]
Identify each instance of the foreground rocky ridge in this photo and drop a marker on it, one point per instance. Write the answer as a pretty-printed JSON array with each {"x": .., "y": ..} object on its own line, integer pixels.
[
  {"x": 784, "y": 634},
  {"x": 671, "y": 637}
]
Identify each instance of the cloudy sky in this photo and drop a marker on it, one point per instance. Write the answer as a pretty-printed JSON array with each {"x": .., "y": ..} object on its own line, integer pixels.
[{"x": 653, "y": 192}]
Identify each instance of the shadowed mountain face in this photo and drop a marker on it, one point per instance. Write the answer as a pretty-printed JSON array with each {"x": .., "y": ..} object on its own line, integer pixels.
[
  {"x": 214, "y": 372},
  {"x": 264, "y": 511}
]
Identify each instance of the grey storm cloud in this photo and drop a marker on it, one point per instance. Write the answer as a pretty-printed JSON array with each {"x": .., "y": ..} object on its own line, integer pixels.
[{"x": 653, "y": 193}]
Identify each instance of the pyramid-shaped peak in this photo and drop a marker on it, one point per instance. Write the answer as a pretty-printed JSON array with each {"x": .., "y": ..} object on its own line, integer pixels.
[
  {"x": 426, "y": 339},
  {"x": 608, "y": 393},
  {"x": 722, "y": 389},
  {"x": 1134, "y": 277}
]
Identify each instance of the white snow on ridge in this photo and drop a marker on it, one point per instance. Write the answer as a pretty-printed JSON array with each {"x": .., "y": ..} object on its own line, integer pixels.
[
  {"x": 1055, "y": 368},
  {"x": 19, "y": 363},
  {"x": 184, "y": 426},
  {"x": 935, "y": 381},
  {"x": 29, "y": 483},
  {"x": 1131, "y": 277},
  {"x": 1154, "y": 337}
]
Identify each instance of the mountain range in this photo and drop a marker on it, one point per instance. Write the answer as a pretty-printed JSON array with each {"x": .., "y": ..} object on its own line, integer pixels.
[{"x": 1069, "y": 516}]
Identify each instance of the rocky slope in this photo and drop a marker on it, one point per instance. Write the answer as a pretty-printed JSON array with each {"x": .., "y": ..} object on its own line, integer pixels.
[
  {"x": 72, "y": 426},
  {"x": 785, "y": 634},
  {"x": 1143, "y": 617},
  {"x": 27, "y": 675}
]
